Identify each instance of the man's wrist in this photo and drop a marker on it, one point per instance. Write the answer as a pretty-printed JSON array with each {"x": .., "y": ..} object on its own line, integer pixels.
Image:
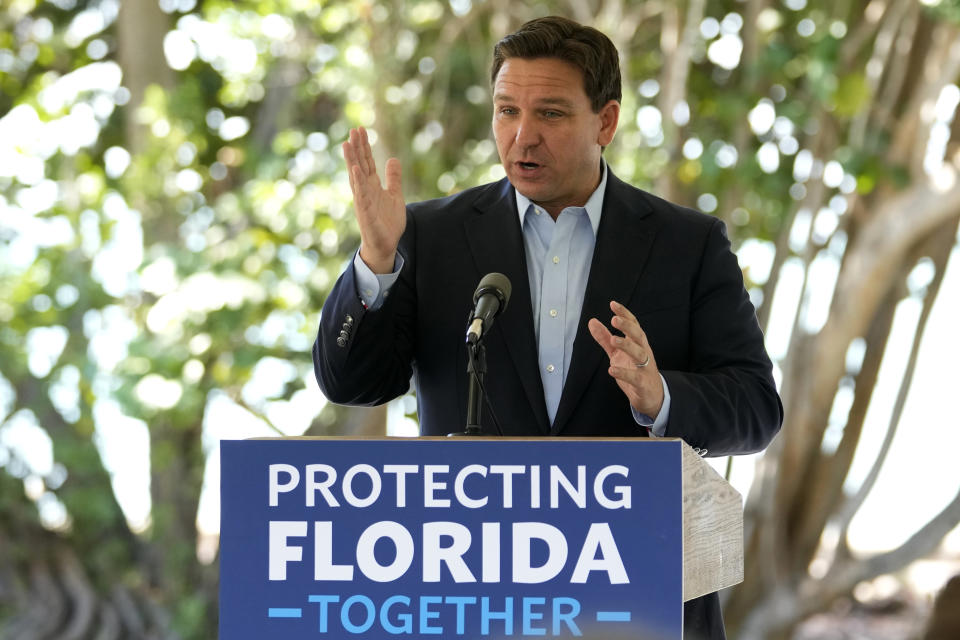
[
  {"x": 372, "y": 288},
  {"x": 656, "y": 423},
  {"x": 380, "y": 264}
]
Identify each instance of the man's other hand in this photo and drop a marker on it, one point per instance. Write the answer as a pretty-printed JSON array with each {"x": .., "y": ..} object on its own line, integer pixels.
[{"x": 631, "y": 360}]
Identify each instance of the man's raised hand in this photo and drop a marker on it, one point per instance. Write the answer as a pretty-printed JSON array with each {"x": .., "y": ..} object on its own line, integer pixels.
[{"x": 381, "y": 212}]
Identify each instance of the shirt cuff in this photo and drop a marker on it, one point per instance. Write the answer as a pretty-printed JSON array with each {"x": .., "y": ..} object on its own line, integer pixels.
[
  {"x": 657, "y": 427},
  {"x": 373, "y": 289}
]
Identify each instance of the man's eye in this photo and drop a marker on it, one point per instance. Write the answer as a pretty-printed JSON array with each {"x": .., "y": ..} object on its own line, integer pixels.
[{"x": 552, "y": 114}]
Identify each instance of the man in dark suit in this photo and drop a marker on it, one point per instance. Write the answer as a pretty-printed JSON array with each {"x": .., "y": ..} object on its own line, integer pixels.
[{"x": 686, "y": 357}]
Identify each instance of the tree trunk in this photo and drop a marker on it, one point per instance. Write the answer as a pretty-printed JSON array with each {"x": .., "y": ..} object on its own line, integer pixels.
[{"x": 141, "y": 27}]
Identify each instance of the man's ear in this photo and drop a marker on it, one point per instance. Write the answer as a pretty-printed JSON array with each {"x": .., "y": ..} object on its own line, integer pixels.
[{"x": 609, "y": 117}]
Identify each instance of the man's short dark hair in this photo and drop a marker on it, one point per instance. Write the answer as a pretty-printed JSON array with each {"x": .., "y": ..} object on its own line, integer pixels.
[{"x": 584, "y": 47}]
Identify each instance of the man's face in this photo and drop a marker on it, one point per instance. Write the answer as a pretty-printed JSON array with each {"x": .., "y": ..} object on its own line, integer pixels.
[{"x": 547, "y": 134}]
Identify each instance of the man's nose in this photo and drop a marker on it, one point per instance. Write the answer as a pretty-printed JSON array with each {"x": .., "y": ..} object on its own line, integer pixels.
[{"x": 528, "y": 133}]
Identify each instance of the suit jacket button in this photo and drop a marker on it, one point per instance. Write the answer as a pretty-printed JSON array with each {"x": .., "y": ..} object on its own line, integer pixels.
[
  {"x": 347, "y": 326},
  {"x": 341, "y": 341},
  {"x": 349, "y": 319},
  {"x": 344, "y": 334}
]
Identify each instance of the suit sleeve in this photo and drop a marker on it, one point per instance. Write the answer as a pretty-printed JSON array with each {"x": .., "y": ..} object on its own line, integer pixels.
[
  {"x": 363, "y": 356},
  {"x": 726, "y": 400}
]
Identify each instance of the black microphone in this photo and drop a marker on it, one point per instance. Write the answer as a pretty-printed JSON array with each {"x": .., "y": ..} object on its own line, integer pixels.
[{"x": 489, "y": 300}]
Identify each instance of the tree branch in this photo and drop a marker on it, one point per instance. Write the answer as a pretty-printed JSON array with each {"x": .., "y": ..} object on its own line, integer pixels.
[
  {"x": 82, "y": 598},
  {"x": 677, "y": 41},
  {"x": 942, "y": 244},
  {"x": 787, "y": 604},
  {"x": 910, "y": 138},
  {"x": 880, "y": 60}
]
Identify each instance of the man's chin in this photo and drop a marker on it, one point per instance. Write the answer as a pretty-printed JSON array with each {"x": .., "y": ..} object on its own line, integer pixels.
[{"x": 534, "y": 189}]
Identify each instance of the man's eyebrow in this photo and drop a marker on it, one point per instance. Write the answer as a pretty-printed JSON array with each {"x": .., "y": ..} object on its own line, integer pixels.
[
  {"x": 557, "y": 102},
  {"x": 560, "y": 102}
]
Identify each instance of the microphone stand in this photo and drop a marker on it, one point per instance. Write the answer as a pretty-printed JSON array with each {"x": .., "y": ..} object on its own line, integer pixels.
[{"x": 476, "y": 368}]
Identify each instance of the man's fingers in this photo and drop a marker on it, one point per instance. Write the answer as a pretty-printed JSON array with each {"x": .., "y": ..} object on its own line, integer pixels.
[
  {"x": 614, "y": 345},
  {"x": 630, "y": 384},
  {"x": 366, "y": 154},
  {"x": 394, "y": 178},
  {"x": 356, "y": 144},
  {"x": 627, "y": 323},
  {"x": 602, "y": 335},
  {"x": 622, "y": 311},
  {"x": 634, "y": 351},
  {"x": 355, "y": 170},
  {"x": 353, "y": 152},
  {"x": 634, "y": 344},
  {"x": 358, "y": 182},
  {"x": 631, "y": 376},
  {"x": 364, "y": 181},
  {"x": 348, "y": 157}
]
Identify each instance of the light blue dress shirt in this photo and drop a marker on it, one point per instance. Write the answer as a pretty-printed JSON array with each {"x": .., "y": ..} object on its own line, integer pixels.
[{"x": 558, "y": 267}]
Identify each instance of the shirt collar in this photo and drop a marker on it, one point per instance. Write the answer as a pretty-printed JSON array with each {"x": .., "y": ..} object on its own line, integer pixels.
[{"x": 594, "y": 205}]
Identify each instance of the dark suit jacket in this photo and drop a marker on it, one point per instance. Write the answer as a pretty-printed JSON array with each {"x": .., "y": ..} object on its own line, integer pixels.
[{"x": 671, "y": 266}]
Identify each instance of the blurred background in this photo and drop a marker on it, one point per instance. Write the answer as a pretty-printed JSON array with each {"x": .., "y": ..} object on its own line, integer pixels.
[{"x": 174, "y": 209}]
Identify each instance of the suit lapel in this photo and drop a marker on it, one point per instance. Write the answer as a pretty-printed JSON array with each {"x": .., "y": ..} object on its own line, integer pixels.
[
  {"x": 496, "y": 242},
  {"x": 624, "y": 239}
]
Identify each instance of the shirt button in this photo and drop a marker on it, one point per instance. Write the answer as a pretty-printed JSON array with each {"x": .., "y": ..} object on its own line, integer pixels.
[
  {"x": 556, "y": 259},
  {"x": 550, "y": 368},
  {"x": 538, "y": 210},
  {"x": 368, "y": 292},
  {"x": 553, "y": 313}
]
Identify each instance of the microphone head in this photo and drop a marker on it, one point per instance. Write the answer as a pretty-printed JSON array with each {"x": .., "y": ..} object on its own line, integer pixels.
[{"x": 497, "y": 284}]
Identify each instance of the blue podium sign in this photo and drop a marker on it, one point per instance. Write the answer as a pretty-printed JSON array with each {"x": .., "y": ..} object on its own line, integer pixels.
[{"x": 472, "y": 538}]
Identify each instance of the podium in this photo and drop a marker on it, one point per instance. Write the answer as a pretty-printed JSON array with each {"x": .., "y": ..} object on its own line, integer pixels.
[{"x": 470, "y": 537}]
